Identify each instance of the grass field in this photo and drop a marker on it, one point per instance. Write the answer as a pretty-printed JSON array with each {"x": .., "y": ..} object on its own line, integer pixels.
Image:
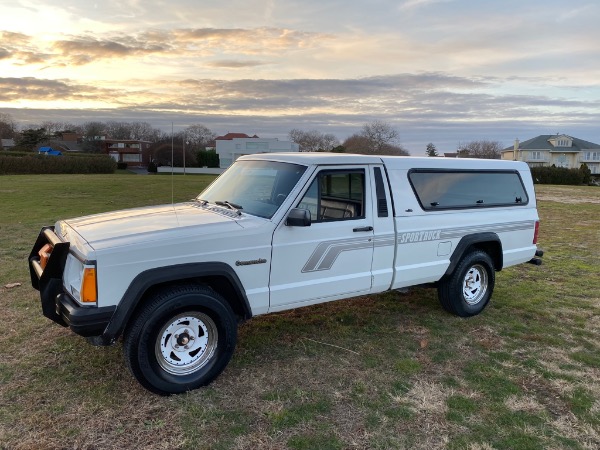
[{"x": 387, "y": 371}]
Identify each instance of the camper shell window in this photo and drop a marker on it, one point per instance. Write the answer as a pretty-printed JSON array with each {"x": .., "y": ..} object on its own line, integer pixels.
[{"x": 460, "y": 189}]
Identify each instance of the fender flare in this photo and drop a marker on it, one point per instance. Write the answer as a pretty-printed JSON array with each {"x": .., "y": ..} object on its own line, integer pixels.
[
  {"x": 476, "y": 240},
  {"x": 160, "y": 275}
]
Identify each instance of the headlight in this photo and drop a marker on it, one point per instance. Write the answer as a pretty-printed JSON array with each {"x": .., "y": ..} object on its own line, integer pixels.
[{"x": 79, "y": 280}]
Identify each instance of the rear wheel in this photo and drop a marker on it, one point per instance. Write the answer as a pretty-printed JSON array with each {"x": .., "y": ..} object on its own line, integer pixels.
[
  {"x": 181, "y": 339},
  {"x": 468, "y": 290}
]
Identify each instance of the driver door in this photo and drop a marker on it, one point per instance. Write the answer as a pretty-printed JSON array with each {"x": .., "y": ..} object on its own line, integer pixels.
[{"x": 332, "y": 257}]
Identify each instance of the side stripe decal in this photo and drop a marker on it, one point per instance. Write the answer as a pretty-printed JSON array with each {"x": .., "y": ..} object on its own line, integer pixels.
[{"x": 326, "y": 252}]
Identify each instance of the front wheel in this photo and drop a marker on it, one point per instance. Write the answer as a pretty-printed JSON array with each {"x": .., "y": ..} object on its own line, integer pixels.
[
  {"x": 467, "y": 291},
  {"x": 181, "y": 339}
]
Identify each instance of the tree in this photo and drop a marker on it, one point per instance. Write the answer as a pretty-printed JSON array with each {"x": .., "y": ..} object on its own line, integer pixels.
[
  {"x": 54, "y": 129},
  {"x": 381, "y": 136},
  {"x": 586, "y": 174},
  {"x": 480, "y": 149},
  {"x": 29, "y": 139},
  {"x": 131, "y": 131},
  {"x": 431, "y": 150},
  {"x": 361, "y": 145},
  {"x": 357, "y": 144},
  {"x": 198, "y": 137},
  {"x": 145, "y": 132},
  {"x": 8, "y": 127},
  {"x": 313, "y": 140},
  {"x": 93, "y": 133}
]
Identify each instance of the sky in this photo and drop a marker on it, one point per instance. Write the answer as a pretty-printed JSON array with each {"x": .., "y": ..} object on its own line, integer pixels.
[{"x": 439, "y": 71}]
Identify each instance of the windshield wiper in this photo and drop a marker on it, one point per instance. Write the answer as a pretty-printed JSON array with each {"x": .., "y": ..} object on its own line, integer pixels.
[
  {"x": 233, "y": 206},
  {"x": 201, "y": 200}
]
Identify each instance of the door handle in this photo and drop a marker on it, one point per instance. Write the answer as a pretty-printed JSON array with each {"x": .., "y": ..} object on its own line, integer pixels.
[{"x": 363, "y": 229}]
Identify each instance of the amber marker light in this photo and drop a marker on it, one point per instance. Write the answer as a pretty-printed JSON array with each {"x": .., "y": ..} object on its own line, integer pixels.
[
  {"x": 89, "y": 293},
  {"x": 44, "y": 255}
]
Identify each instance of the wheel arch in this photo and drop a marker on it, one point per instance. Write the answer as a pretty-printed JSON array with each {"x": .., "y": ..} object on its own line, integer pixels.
[
  {"x": 217, "y": 275},
  {"x": 488, "y": 242}
]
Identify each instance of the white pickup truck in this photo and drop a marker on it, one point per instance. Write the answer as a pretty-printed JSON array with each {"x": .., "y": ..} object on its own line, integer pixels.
[{"x": 275, "y": 232}]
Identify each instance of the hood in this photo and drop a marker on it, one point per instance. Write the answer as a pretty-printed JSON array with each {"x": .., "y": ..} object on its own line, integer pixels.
[{"x": 131, "y": 226}]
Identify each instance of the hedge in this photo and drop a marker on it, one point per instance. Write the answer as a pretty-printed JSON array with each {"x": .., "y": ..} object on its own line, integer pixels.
[
  {"x": 207, "y": 158},
  {"x": 561, "y": 175},
  {"x": 42, "y": 164}
]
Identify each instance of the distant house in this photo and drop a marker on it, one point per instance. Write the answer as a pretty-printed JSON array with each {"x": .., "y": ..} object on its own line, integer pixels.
[
  {"x": 68, "y": 142},
  {"x": 233, "y": 145},
  {"x": 133, "y": 152},
  {"x": 7, "y": 144},
  {"x": 560, "y": 150}
]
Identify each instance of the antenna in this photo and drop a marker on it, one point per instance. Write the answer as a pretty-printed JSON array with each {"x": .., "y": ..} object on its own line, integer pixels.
[{"x": 172, "y": 169}]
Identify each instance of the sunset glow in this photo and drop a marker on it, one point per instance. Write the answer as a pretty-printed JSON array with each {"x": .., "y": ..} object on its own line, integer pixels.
[{"x": 439, "y": 71}]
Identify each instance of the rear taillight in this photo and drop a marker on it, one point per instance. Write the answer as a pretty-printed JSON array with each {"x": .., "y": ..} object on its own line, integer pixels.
[{"x": 536, "y": 231}]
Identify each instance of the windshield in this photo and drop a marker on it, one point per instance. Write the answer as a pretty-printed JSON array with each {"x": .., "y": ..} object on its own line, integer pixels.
[{"x": 254, "y": 187}]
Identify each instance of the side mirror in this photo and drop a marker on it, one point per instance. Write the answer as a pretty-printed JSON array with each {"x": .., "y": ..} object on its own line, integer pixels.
[{"x": 298, "y": 217}]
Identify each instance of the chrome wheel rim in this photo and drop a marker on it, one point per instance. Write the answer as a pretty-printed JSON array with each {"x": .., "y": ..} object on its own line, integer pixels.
[
  {"x": 186, "y": 343},
  {"x": 475, "y": 284}
]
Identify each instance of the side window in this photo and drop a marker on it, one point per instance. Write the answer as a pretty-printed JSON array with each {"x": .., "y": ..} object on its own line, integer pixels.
[
  {"x": 336, "y": 195},
  {"x": 439, "y": 189}
]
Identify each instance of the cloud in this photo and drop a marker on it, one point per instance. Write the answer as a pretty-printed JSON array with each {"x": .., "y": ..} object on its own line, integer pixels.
[
  {"x": 8, "y": 38},
  {"x": 85, "y": 50},
  {"x": 235, "y": 64},
  {"x": 4, "y": 53},
  {"x": 81, "y": 49},
  {"x": 409, "y": 98},
  {"x": 413, "y": 4},
  {"x": 43, "y": 90}
]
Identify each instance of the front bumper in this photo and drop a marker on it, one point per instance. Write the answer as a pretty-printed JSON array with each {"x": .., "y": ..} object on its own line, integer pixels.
[
  {"x": 56, "y": 304},
  {"x": 85, "y": 321}
]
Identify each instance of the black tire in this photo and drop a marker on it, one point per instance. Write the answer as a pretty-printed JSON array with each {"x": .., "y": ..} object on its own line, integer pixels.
[
  {"x": 182, "y": 338},
  {"x": 467, "y": 291}
]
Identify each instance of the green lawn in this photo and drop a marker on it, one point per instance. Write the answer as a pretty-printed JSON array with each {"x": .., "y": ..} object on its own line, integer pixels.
[{"x": 387, "y": 371}]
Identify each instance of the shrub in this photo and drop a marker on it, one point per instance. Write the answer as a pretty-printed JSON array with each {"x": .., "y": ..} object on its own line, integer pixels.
[
  {"x": 122, "y": 165},
  {"x": 558, "y": 175},
  {"x": 152, "y": 167},
  {"x": 208, "y": 158},
  {"x": 41, "y": 164},
  {"x": 586, "y": 174}
]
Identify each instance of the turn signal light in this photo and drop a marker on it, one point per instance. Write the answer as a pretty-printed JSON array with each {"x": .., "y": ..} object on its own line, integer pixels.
[
  {"x": 44, "y": 255},
  {"x": 89, "y": 292}
]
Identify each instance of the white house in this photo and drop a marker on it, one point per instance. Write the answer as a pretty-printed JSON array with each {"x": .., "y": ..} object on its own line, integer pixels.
[
  {"x": 7, "y": 144},
  {"x": 233, "y": 145},
  {"x": 560, "y": 150}
]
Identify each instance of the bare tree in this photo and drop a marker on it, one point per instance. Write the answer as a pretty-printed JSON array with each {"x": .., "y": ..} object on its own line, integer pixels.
[
  {"x": 131, "y": 131},
  {"x": 313, "y": 140},
  {"x": 480, "y": 149},
  {"x": 357, "y": 143},
  {"x": 93, "y": 132},
  {"x": 8, "y": 127},
  {"x": 199, "y": 136},
  {"x": 53, "y": 128},
  {"x": 145, "y": 132},
  {"x": 380, "y": 135}
]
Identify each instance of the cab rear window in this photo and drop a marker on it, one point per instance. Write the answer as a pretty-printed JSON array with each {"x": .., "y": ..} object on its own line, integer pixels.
[{"x": 460, "y": 189}]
